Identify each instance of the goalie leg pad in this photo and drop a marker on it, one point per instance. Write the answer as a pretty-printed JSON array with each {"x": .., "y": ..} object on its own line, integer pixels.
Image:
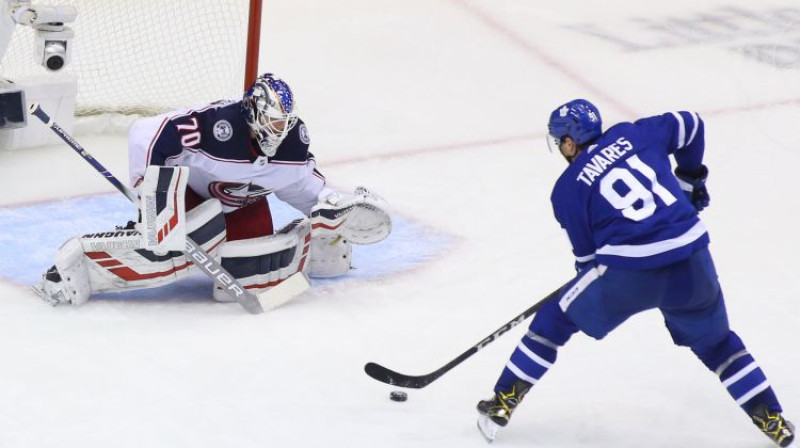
[
  {"x": 330, "y": 256},
  {"x": 114, "y": 261},
  {"x": 205, "y": 224},
  {"x": 264, "y": 262},
  {"x": 141, "y": 268}
]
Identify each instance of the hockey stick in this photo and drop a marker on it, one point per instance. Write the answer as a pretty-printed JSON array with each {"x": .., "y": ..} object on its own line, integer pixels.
[
  {"x": 193, "y": 252},
  {"x": 388, "y": 376}
]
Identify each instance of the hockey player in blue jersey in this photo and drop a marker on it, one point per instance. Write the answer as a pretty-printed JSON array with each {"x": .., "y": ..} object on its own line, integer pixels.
[
  {"x": 639, "y": 244},
  {"x": 209, "y": 171}
]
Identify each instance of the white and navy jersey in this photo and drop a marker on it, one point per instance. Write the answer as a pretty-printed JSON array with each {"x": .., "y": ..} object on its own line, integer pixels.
[
  {"x": 619, "y": 201},
  {"x": 224, "y": 161}
]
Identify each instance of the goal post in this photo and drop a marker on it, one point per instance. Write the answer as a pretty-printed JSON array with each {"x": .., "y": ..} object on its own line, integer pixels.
[
  {"x": 253, "y": 43},
  {"x": 145, "y": 57}
]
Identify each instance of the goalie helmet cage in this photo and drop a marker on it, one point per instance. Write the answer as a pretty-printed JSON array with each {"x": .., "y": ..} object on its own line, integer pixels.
[{"x": 144, "y": 57}]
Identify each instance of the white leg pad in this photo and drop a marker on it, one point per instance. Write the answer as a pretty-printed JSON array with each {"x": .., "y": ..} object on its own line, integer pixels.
[
  {"x": 331, "y": 256},
  {"x": 262, "y": 263},
  {"x": 114, "y": 261},
  {"x": 115, "y": 270}
]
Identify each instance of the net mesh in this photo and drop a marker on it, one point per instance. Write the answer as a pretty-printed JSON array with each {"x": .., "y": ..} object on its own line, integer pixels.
[{"x": 145, "y": 56}]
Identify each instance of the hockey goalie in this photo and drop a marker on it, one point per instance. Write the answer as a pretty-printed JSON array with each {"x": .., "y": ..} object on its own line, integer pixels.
[{"x": 205, "y": 174}]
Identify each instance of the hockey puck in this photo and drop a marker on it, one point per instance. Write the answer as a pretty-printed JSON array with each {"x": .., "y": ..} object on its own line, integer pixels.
[{"x": 398, "y": 395}]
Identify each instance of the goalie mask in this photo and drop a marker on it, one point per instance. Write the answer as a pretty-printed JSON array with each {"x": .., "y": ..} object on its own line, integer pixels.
[{"x": 268, "y": 108}]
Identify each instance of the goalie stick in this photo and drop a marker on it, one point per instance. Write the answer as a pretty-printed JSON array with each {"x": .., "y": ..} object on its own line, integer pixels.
[
  {"x": 388, "y": 376},
  {"x": 252, "y": 303}
]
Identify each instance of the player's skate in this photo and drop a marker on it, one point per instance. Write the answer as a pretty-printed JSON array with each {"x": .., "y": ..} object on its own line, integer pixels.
[
  {"x": 496, "y": 411},
  {"x": 774, "y": 426}
]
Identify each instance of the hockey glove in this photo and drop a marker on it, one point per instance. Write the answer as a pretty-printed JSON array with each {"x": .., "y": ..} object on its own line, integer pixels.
[
  {"x": 361, "y": 217},
  {"x": 581, "y": 266},
  {"x": 693, "y": 183}
]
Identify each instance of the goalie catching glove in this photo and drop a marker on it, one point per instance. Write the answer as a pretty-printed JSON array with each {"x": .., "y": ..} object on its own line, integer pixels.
[{"x": 360, "y": 217}]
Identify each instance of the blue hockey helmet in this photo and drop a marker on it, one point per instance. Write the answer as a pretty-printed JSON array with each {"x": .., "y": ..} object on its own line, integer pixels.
[
  {"x": 578, "y": 119},
  {"x": 269, "y": 109}
]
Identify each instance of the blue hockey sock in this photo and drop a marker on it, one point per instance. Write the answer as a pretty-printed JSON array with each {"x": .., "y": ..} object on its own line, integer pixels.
[
  {"x": 739, "y": 373},
  {"x": 747, "y": 383},
  {"x": 531, "y": 359},
  {"x": 536, "y": 352}
]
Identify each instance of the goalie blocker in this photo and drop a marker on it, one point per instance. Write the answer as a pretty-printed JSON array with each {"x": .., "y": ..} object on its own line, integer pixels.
[{"x": 162, "y": 208}]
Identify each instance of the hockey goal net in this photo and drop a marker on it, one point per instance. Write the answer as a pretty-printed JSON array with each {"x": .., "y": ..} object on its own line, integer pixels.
[{"x": 148, "y": 56}]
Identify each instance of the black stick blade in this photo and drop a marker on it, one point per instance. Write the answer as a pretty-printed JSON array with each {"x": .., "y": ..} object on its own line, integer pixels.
[
  {"x": 384, "y": 375},
  {"x": 387, "y": 376}
]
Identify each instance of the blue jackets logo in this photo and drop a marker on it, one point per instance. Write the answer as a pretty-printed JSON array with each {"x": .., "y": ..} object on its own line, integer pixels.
[{"x": 234, "y": 194}]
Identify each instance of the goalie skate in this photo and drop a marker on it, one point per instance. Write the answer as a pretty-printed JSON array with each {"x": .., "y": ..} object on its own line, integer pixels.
[
  {"x": 55, "y": 291},
  {"x": 66, "y": 281},
  {"x": 51, "y": 296}
]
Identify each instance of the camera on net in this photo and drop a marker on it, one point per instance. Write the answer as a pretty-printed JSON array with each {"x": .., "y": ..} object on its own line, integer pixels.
[
  {"x": 53, "y": 41},
  {"x": 53, "y": 49}
]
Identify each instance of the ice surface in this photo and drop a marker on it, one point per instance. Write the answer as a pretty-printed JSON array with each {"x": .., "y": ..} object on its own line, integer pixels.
[{"x": 440, "y": 106}]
